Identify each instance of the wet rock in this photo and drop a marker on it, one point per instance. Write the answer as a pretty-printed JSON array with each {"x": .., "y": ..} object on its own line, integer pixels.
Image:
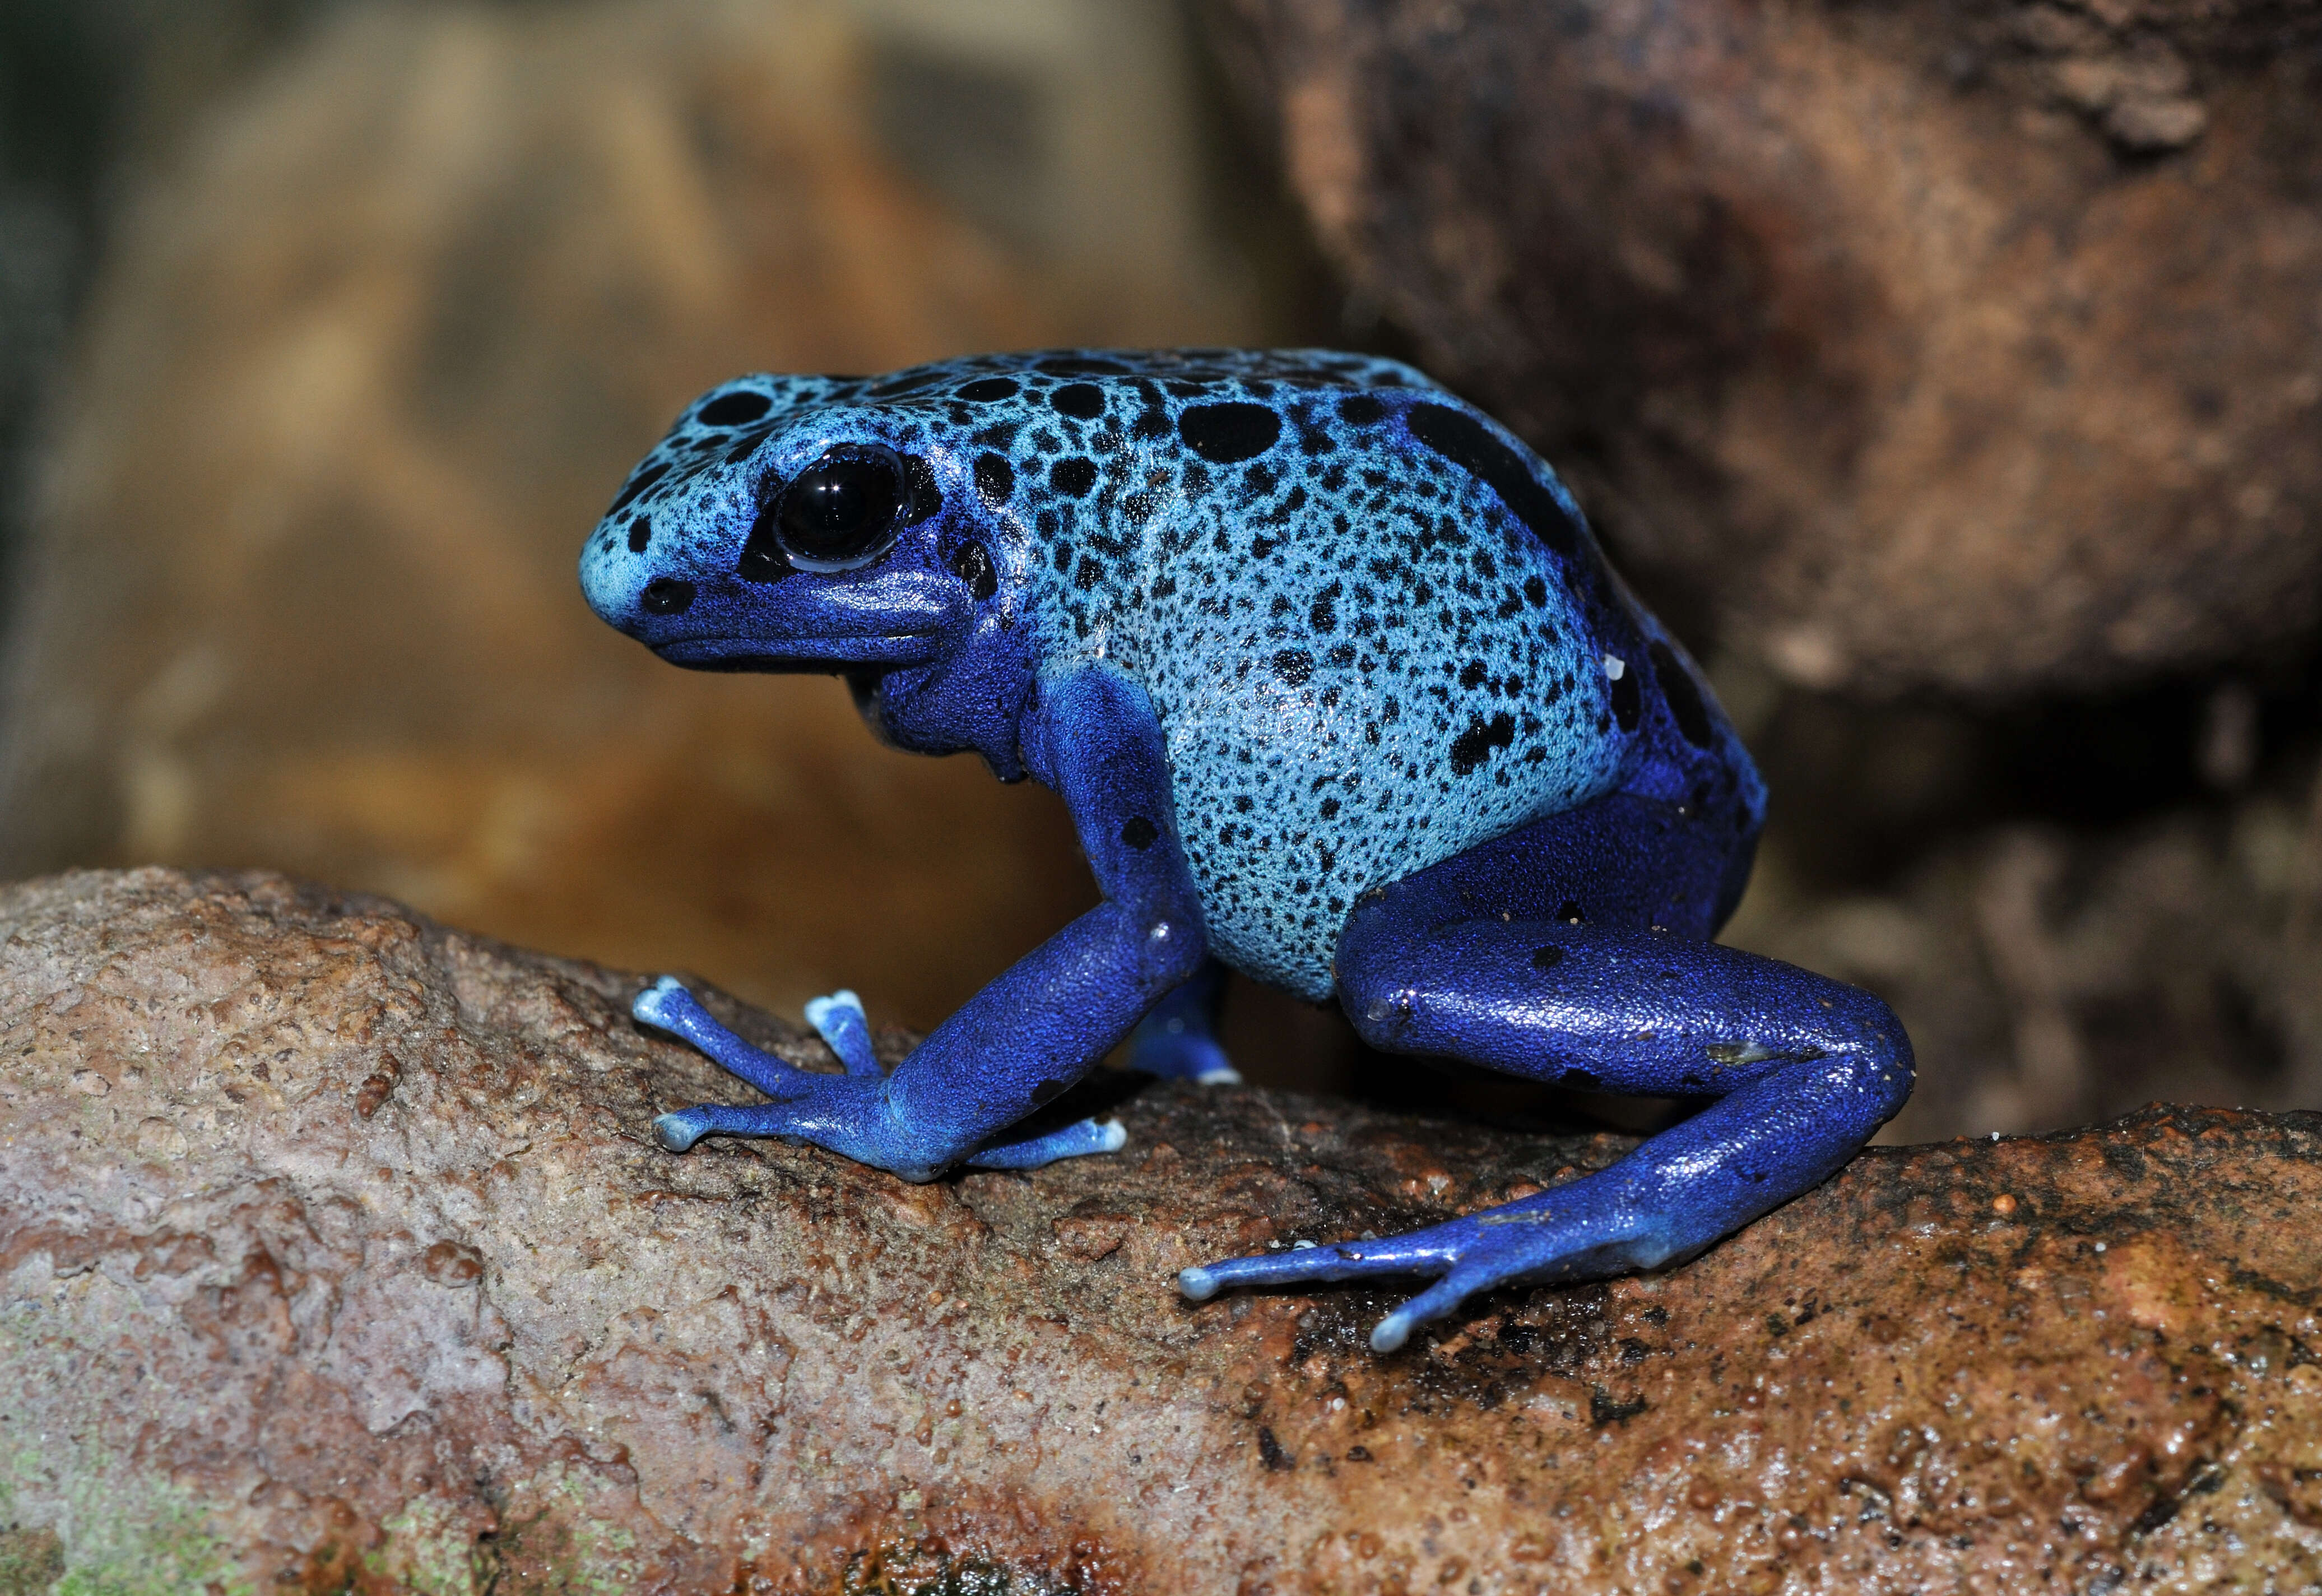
[
  {"x": 1964, "y": 346},
  {"x": 361, "y": 1274}
]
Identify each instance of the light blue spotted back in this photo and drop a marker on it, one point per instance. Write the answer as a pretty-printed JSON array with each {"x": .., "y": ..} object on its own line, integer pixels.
[{"x": 1372, "y": 626}]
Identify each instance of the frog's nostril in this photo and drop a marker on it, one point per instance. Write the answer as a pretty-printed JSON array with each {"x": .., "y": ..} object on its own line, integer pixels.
[{"x": 667, "y": 595}]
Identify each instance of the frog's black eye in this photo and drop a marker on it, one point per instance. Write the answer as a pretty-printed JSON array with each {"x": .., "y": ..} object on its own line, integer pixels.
[{"x": 841, "y": 511}]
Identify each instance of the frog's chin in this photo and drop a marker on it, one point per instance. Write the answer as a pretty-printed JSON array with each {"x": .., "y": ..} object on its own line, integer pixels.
[{"x": 801, "y": 654}]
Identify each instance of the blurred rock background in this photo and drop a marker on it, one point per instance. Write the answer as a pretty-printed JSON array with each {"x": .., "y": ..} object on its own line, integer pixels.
[
  {"x": 1948, "y": 372},
  {"x": 387, "y": 300}
]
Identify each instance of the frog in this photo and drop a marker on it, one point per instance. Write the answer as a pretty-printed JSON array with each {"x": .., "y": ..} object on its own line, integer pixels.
[{"x": 1340, "y": 691}]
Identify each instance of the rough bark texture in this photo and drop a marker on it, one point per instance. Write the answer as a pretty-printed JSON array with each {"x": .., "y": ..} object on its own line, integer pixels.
[
  {"x": 1969, "y": 343},
  {"x": 335, "y": 1258}
]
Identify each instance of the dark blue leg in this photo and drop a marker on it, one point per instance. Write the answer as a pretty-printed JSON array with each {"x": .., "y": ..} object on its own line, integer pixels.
[
  {"x": 1037, "y": 1028},
  {"x": 1803, "y": 1070},
  {"x": 1177, "y": 1041}
]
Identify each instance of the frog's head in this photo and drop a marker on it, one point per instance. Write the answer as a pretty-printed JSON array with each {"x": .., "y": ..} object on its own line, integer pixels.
[{"x": 797, "y": 523}]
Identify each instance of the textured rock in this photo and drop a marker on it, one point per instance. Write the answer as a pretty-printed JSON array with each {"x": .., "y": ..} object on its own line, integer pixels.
[
  {"x": 333, "y": 1257},
  {"x": 1970, "y": 345}
]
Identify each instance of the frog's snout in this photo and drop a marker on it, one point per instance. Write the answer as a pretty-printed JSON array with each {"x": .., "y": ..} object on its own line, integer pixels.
[
  {"x": 609, "y": 584},
  {"x": 666, "y": 596},
  {"x": 644, "y": 597}
]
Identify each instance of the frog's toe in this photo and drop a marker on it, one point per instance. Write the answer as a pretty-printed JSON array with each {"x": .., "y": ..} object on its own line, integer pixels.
[
  {"x": 1514, "y": 1246},
  {"x": 1438, "y": 1299},
  {"x": 838, "y": 1019},
  {"x": 667, "y": 1005},
  {"x": 1078, "y": 1139},
  {"x": 1176, "y": 1039},
  {"x": 658, "y": 1005},
  {"x": 679, "y": 1130},
  {"x": 1175, "y": 1051},
  {"x": 1420, "y": 1252}
]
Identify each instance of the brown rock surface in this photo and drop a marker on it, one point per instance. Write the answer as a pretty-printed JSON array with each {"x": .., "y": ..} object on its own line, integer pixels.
[
  {"x": 333, "y": 1257},
  {"x": 1971, "y": 346}
]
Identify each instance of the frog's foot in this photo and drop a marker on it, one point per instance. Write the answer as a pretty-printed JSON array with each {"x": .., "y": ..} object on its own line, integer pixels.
[
  {"x": 847, "y": 1113},
  {"x": 852, "y": 1114},
  {"x": 1586, "y": 1228},
  {"x": 1175, "y": 1040},
  {"x": 1077, "y": 1140}
]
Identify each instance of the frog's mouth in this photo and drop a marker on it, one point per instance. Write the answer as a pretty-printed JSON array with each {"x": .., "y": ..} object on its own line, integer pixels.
[
  {"x": 898, "y": 618},
  {"x": 803, "y": 654}
]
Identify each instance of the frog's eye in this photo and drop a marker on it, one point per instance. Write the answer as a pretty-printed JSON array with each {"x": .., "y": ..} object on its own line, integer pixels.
[{"x": 841, "y": 511}]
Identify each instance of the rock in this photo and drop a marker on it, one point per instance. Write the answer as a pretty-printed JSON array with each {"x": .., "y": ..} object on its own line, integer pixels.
[
  {"x": 359, "y": 1273},
  {"x": 2050, "y": 976},
  {"x": 1921, "y": 345},
  {"x": 368, "y": 357}
]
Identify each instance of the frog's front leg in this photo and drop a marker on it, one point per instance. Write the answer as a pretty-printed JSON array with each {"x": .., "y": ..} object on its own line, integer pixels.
[
  {"x": 1037, "y": 1028},
  {"x": 1803, "y": 1070},
  {"x": 667, "y": 1005}
]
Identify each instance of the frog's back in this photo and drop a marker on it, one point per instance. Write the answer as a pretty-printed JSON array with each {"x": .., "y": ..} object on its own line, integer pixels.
[{"x": 1375, "y": 628}]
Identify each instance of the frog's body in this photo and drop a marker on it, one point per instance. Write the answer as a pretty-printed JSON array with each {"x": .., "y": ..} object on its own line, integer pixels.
[{"x": 1340, "y": 691}]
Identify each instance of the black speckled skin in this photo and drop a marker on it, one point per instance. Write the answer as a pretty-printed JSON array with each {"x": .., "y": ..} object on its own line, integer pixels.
[{"x": 1374, "y": 626}]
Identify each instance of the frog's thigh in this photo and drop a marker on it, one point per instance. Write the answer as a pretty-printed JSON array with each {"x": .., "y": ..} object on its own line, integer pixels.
[{"x": 1577, "y": 951}]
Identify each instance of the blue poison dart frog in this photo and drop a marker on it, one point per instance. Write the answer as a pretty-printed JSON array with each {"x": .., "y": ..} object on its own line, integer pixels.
[{"x": 1339, "y": 693}]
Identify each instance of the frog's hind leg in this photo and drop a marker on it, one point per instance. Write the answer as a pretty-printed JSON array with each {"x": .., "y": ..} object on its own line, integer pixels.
[
  {"x": 1522, "y": 973},
  {"x": 1178, "y": 1040}
]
